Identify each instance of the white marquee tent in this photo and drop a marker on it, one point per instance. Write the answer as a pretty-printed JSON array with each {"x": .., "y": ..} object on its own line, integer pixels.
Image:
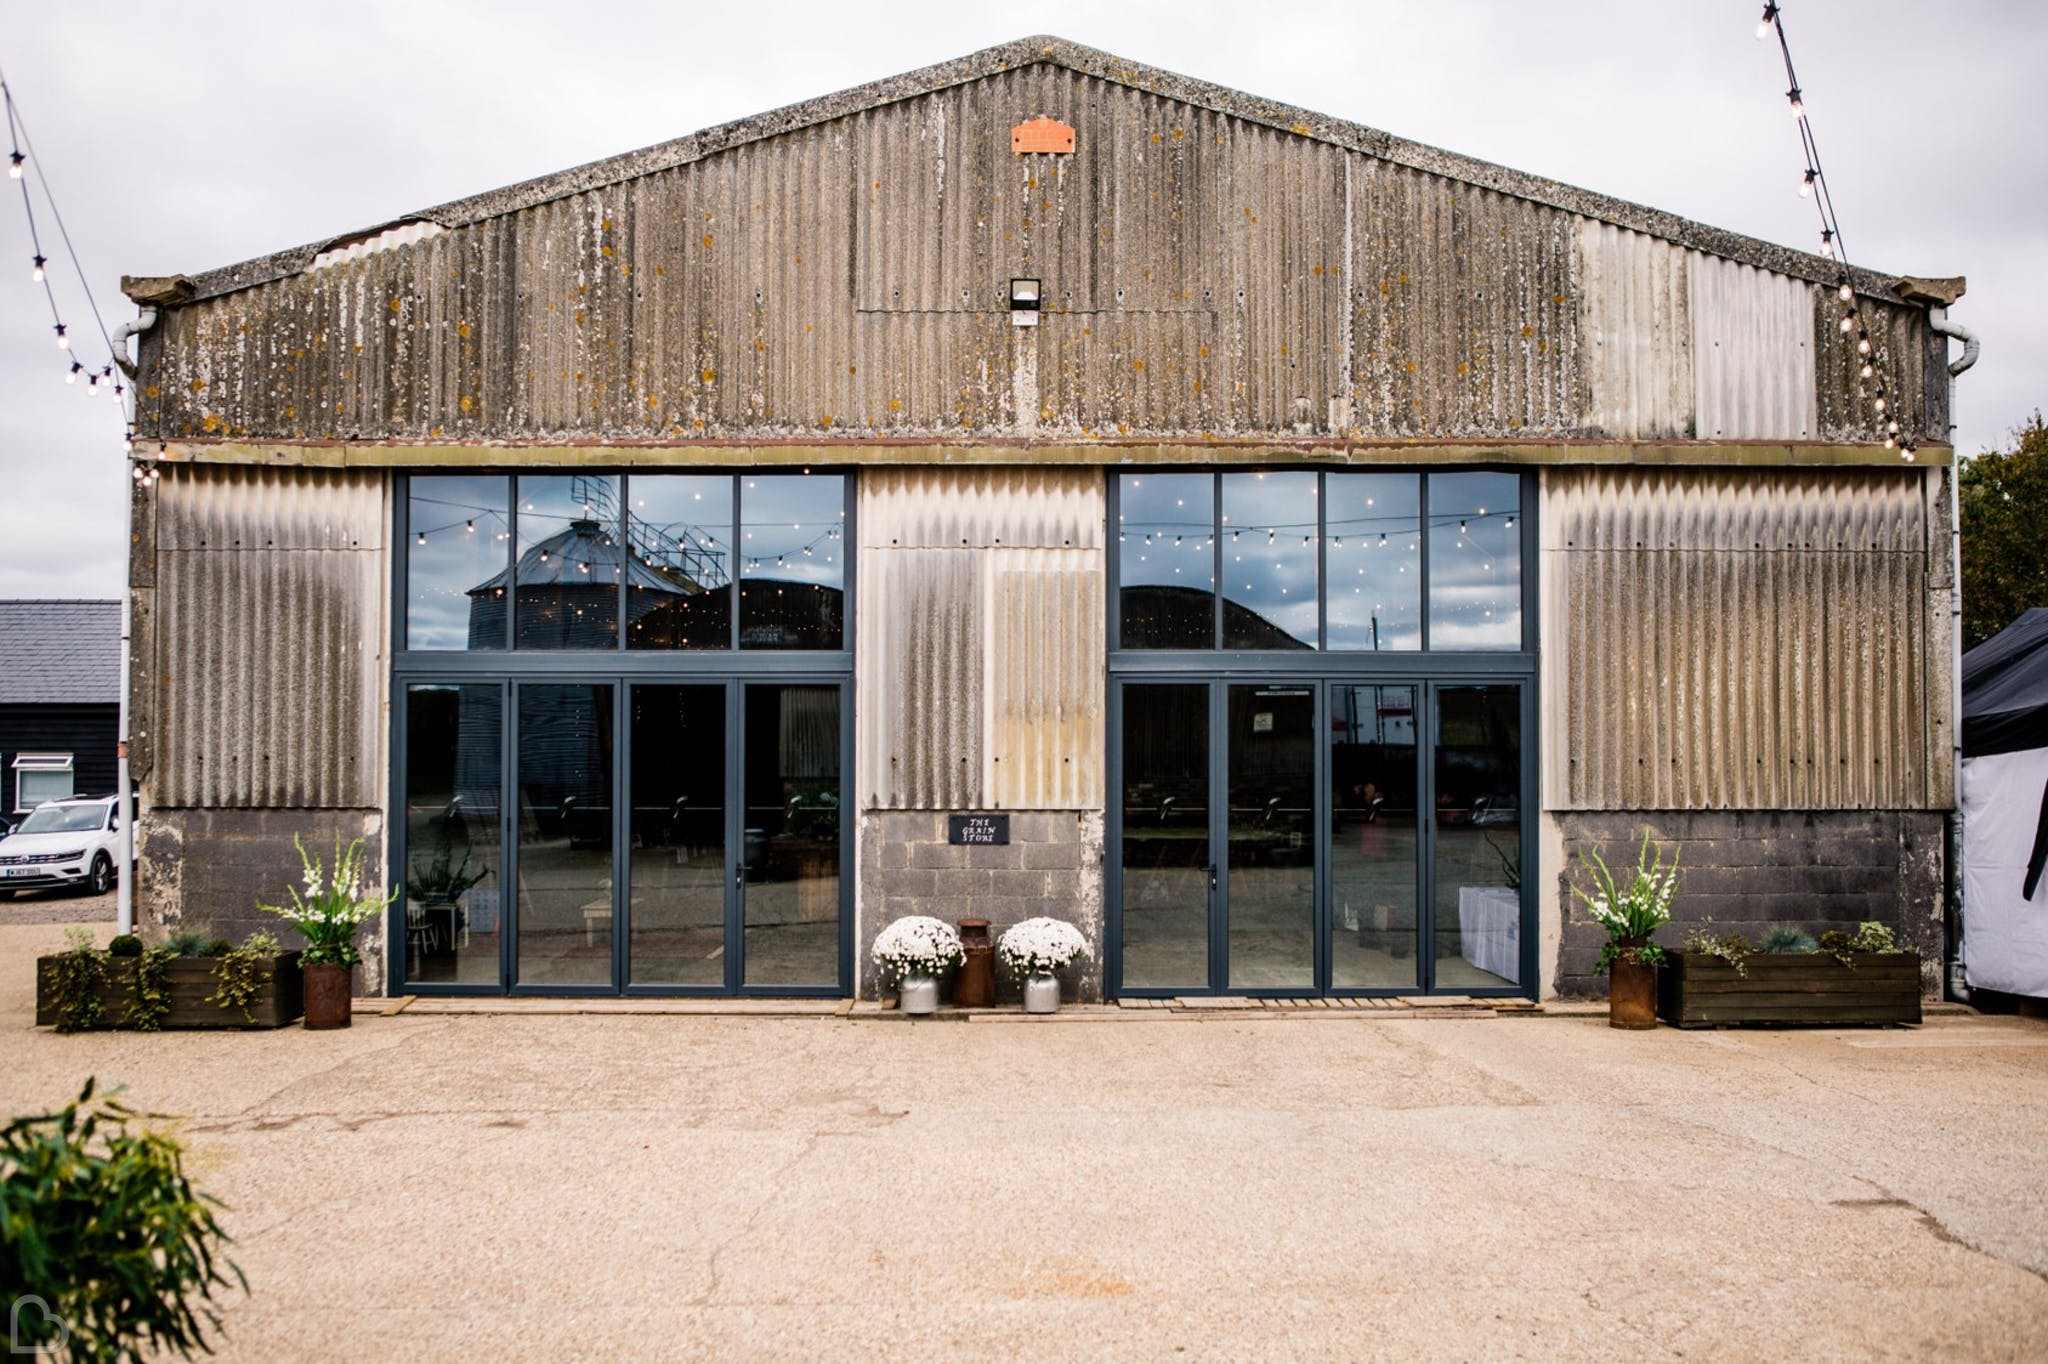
[{"x": 2005, "y": 809}]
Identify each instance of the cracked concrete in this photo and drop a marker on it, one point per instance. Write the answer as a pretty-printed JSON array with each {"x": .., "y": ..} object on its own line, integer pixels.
[{"x": 443, "y": 1187}]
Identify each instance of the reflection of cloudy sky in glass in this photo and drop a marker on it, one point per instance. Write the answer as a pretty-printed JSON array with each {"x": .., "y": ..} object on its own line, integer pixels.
[
  {"x": 793, "y": 528},
  {"x": 1475, "y": 579},
  {"x": 548, "y": 504},
  {"x": 463, "y": 520},
  {"x": 1166, "y": 534},
  {"x": 1374, "y": 528},
  {"x": 1269, "y": 551},
  {"x": 683, "y": 522}
]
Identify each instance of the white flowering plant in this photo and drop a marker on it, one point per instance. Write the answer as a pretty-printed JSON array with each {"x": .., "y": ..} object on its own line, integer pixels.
[
  {"x": 1630, "y": 911},
  {"x": 918, "y": 945},
  {"x": 333, "y": 905},
  {"x": 1040, "y": 947}
]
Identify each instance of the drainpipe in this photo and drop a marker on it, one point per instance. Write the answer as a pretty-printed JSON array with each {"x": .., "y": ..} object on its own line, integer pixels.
[
  {"x": 1938, "y": 323},
  {"x": 124, "y": 894}
]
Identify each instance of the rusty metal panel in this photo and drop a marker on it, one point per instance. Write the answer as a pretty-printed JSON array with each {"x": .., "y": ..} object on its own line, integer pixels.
[
  {"x": 918, "y": 685},
  {"x": 1752, "y": 344},
  {"x": 1900, "y": 346},
  {"x": 269, "y": 638},
  {"x": 1636, "y": 333},
  {"x": 1463, "y": 309},
  {"x": 1738, "y": 639},
  {"x": 980, "y": 658},
  {"x": 1045, "y": 679}
]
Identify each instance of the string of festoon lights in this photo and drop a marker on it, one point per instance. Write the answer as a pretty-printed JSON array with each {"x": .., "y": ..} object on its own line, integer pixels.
[
  {"x": 25, "y": 167},
  {"x": 1870, "y": 360}
]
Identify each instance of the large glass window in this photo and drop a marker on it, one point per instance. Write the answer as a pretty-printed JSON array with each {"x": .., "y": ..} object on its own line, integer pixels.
[
  {"x": 1166, "y": 560},
  {"x": 575, "y": 555},
  {"x": 792, "y": 565},
  {"x": 41, "y": 776},
  {"x": 1270, "y": 574},
  {"x": 679, "y": 528},
  {"x": 455, "y": 561},
  {"x": 1375, "y": 555},
  {"x": 1345, "y": 562},
  {"x": 791, "y": 829},
  {"x": 1478, "y": 819},
  {"x": 1475, "y": 561}
]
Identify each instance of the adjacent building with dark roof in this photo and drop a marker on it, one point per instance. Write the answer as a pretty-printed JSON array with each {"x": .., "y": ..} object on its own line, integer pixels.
[{"x": 60, "y": 690}]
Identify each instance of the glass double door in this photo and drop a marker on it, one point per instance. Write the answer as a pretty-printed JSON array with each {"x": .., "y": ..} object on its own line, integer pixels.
[
  {"x": 622, "y": 836},
  {"x": 1322, "y": 837}
]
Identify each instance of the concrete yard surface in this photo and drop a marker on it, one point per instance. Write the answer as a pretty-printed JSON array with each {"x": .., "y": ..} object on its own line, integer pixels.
[{"x": 1347, "y": 1184}]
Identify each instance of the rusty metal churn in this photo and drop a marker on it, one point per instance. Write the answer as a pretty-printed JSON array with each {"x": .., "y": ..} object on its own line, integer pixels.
[{"x": 975, "y": 987}]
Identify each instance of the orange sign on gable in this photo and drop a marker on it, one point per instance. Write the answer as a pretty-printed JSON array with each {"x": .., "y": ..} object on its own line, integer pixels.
[{"x": 1042, "y": 135}]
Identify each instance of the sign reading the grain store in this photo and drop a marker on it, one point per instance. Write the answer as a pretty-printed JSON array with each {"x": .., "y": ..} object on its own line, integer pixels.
[{"x": 990, "y": 831}]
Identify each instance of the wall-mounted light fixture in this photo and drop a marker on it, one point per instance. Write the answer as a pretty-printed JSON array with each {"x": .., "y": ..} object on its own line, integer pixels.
[{"x": 1023, "y": 302}]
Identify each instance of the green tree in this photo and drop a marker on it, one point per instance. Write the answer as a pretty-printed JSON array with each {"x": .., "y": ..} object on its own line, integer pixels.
[{"x": 2004, "y": 516}]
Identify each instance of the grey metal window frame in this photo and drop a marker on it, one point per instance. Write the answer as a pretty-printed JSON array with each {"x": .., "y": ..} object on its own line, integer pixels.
[
  {"x": 620, "y": 667},
  {"x": 1429, "y": 671}
]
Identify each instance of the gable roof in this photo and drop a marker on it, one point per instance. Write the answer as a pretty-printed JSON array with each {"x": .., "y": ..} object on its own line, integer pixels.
[
  {"x": 58, "y": 652},
  {"x": 1086, "y": 61}
]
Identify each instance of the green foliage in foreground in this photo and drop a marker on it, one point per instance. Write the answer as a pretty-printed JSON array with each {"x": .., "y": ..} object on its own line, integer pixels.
[{"x": 98, "y": 1220}]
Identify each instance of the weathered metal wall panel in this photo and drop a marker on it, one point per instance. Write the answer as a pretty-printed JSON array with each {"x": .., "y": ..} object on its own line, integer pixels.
[
  {"x": 269, "y": 638},
  {"x": 1752, "y": 344},
  {"x": 1205, "y": 274},
  {"x": 980, "y": 659},
  {"x": 1637, "y": 342},
  {"x": 1738, "y": 639},
  {"x": 1899, "y": 345}
]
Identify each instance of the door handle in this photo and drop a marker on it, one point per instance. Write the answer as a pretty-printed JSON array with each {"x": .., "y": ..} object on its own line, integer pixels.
[{"x": 1211, "y": 869}]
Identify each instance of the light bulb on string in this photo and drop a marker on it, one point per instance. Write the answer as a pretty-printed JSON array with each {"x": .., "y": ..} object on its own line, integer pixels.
[
  {"x": 1806, "y": 185},
  {"x": 1863, "y": 343},
  {"x": 1798, "y": 105},
  {"x": 35, "y": 273},
  {"x": 14, "y": 161},
  {"x": 63, "y": 339},
  {"x": 1827, "y": 242},
  {"x": 423, "y": 537},
  {"x": 1865, "y": 370},
  {"x": 1842, "y": 289},
  {"x": 71, "y": 377},
  {"x": 1763, "y": 27}
]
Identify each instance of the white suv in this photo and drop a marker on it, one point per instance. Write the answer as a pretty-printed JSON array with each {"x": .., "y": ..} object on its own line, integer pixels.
[{"x": 63, "y": 843}]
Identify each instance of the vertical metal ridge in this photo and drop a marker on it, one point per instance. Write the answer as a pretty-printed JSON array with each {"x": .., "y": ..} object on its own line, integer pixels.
[
  {"x": 1738, "y": 639},
  {"x": 1752, "y": 343},
  {"x": 269, "y": 637},
  {"x": 1637, "y": 338},
  {"x": 979, "y": 665}
]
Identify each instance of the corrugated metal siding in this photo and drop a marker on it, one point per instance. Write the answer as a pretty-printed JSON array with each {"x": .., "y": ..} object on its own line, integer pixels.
[
  {"x": 1634, "y": 309},
  {"x": 268, "y": 646},
  {"x": 1203, "y": 274},
  {"x": 1899, "y": 340},
  {"x": 1752, "y": 344},
  {"x": 1738, "y": 639},
  {"x": 980, "y": 659}
]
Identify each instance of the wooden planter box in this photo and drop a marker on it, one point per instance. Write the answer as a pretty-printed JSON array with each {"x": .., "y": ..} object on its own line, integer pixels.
[
  {"x": 187, "y": 982},
  {"x": 1699, "y": 991}
]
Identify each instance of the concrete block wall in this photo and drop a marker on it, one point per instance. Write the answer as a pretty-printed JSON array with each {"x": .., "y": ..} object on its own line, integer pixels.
[
  {"x": 1750, "y": 870},
  {"x": 1051, "y": 866},
  {"x": 207, "y": 869}
]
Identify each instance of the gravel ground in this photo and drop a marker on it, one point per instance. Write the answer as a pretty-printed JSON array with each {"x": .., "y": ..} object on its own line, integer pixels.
[
  {"x": 58, "y": 907},
  {"x": 1348, "y": 1185}
]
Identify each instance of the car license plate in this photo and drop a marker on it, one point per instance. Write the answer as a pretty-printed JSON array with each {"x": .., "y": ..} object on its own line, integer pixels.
[{"x": 21, "y": 871}]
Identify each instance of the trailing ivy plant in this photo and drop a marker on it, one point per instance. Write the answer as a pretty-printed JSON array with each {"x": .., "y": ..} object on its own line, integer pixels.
[
  {"x": 1870, "y": 936},
  {"x": 149, "y": 1000},
  {"x": 1730, "y": 947},
  {"x": 75, "y": 978},
  {"x": 99, "y": 1222},
  {"x": 241, "y": 974}
]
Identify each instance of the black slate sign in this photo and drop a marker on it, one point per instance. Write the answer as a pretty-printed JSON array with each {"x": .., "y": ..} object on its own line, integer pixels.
[{"x": 988, "y": 831}]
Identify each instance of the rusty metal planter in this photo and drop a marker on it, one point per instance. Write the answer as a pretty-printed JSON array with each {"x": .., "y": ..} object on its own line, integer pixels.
[
  {"x": 188, "y": 981},
  {"x": 1700, "y": 991}
]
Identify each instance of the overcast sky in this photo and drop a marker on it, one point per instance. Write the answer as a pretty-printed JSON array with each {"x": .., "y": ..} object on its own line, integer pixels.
[{"x": 183, "y": 137}]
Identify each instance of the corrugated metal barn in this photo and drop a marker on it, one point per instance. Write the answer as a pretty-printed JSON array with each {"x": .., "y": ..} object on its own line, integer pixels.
[{"x": 1309, "y": 540}]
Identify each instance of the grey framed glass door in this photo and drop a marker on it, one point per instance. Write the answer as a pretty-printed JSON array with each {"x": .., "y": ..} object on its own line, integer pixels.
[
  {"x": 624, "y": 836},
  {"x": 1319, "y": 837},
  {"x": 1217, "y": 895}
]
